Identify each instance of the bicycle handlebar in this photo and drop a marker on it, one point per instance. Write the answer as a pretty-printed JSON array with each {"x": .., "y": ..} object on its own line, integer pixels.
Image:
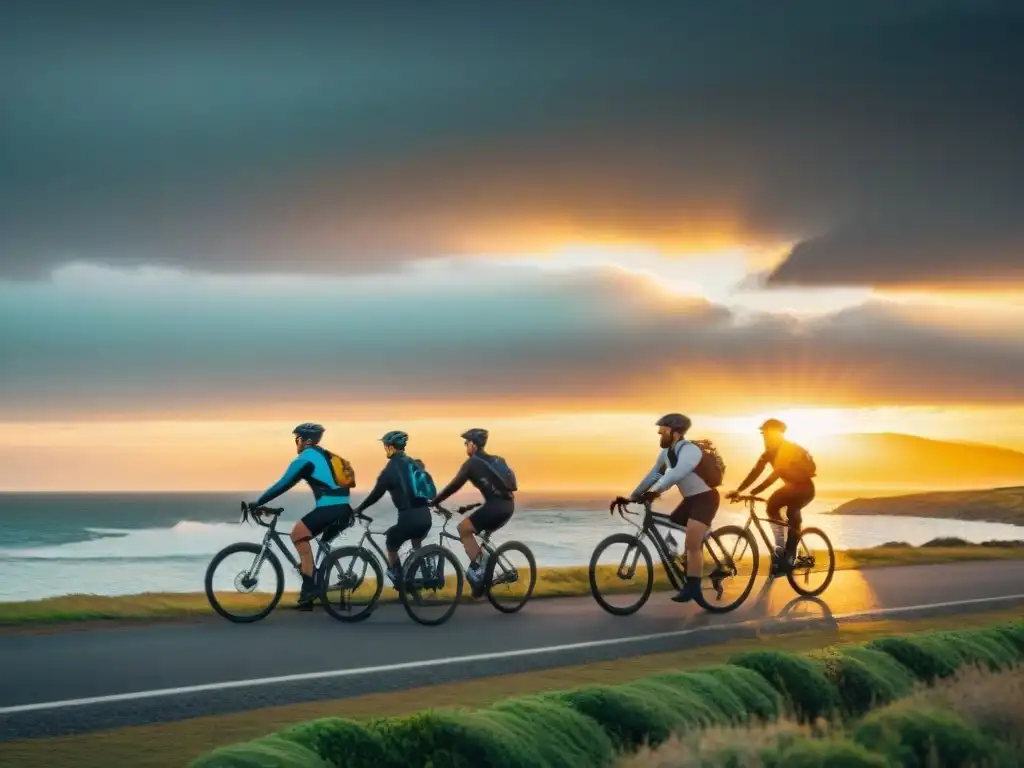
[
  {"x": 621, "y": 503},
  {"x": 460, "y": 511},
  {"x": 748, "y": 499},
  {"x": 256, "y": 513}
]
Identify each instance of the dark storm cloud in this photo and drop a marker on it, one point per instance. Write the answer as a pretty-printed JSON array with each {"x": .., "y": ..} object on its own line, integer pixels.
[
  {"x": 343, "y": 138},
  {"x": 73, "y": 348}
]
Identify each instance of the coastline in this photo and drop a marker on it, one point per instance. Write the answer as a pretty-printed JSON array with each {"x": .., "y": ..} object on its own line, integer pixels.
[
  {"x": 78, "y": 611},
  {"x": 990, "y": 505}
]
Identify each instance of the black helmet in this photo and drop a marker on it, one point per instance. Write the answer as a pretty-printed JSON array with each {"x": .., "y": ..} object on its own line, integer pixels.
[
  {"x": 676, "y": 422},
  {"x": 309, "y": 431},
  {"x": 396, "y": 438},
  {"x": 773, "y": 425},
  {"x": 476, "y": 436}
]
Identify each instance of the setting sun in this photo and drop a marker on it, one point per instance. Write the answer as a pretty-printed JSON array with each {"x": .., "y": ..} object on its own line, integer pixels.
[{"x": 802, "y": 423}]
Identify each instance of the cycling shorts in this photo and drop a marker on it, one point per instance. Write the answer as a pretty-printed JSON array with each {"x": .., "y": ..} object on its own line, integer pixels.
[
  {"x": 492, "y": 515},
  {"x": 330, "y": 520},
  {"x": 412, "y": 525},
  {"x": 701, "y": 507}
]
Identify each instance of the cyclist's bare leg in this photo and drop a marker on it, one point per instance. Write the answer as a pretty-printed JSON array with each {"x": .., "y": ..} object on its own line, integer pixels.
[
  {"x": 469, "y": 542},
  {"x": 695, "y": 533},
  {"x": 301, "y": 536},
  {"x": 773, "y": 508}
]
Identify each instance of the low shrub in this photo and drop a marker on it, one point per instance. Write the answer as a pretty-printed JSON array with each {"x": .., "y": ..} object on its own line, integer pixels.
[
  {"x": 630, "y": 718},
  {"x": 923, "y": 737},
  {"x": 454, "y": 739},
  {"x": 1012, "y": 634},
  {"x": 927, "y": 659},
  {"x": 861, "y": 683},
  {"x": 800, "y": 679},
  {"x": 883, "y": 664},
  {"x": 340, "y": 742},
  {"x": 711, "y": 690},
  {"x": 558, "y": 733},
  {"x": 268, "y": 752},
  {"x": 687, "y": 706},
  {"x": 760, "y": 699}
]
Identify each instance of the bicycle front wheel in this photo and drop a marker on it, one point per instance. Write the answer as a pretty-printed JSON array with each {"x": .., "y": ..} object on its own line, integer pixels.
[
  {"x": 729, "y": 570},
  {"x": 814, "y": 565},
  {"x": 240, "y": 586},
  {"x": 431, "y": 585},
  {"x": 351, "y": 581},
  {"x": 621, "y": 574},
  {"x": 510, "y": 576}
]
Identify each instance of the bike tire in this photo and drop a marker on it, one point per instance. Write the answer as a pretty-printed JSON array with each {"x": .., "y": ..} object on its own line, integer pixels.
[
  {"x": 748, "y": 538},
  {"x": 369, "y": 562},
  {"x": 633, "y": 541},
  {"x": 791, "y": 576},
  {"x": 492, "y": 563},
  {"x": 408, "y": 596},
  {"x": 254, "y": 549}
]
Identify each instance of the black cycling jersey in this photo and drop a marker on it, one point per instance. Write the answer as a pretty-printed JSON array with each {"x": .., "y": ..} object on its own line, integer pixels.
[
  {"x": 392, "y": 479},
  {"x": 475, "y": 470}
]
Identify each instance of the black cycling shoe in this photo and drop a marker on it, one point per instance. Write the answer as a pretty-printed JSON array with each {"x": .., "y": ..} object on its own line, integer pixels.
[
  {"x": 689, "y": 592},
  {"x": 476, "y": 581}
]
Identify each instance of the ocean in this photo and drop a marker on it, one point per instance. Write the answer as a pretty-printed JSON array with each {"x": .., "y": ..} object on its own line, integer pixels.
[{"x": 127, "y": 543}]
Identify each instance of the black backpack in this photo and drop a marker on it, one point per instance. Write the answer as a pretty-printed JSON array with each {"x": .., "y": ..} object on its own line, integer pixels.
[
  {"x": 711, "y": 468},
  {"x": 501, "y": 470}
]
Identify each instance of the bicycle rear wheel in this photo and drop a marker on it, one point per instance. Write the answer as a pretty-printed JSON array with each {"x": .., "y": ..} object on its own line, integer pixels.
[
  {"x": 351, "y": 581},
  {"x": 814, "y": 565},
  {"x": 431, "y": 585},
  {"x": 234, "y": 587},
  {"x": 615, "y": 564},
  {"x": 510, "y": 577},
  {"x": 726, "y": 584}
]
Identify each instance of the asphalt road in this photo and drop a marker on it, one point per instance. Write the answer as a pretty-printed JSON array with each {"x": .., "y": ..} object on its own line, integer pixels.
[{"x": 77, "y": 681}]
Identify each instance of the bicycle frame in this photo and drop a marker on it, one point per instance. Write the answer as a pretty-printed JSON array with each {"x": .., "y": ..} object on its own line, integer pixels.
[
  {"x": 323, "y": 548},
  {"x": 484, "y": 539},
  {"x": 752, "y": 518},
  {"x": 649, "y": 527}
]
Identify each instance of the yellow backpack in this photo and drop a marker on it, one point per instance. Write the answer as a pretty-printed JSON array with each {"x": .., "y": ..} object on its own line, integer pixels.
[{"x": 341, "y": 469}]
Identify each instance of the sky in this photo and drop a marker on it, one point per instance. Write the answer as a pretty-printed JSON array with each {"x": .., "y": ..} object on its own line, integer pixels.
[{"x": 556, "y": 222}]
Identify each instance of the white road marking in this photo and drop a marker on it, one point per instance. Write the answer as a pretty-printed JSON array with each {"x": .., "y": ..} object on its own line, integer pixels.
[{"x": 342, "y": 673}]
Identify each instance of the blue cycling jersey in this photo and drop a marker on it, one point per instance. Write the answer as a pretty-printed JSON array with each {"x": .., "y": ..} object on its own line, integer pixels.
[{"x": 312, "y": 466}]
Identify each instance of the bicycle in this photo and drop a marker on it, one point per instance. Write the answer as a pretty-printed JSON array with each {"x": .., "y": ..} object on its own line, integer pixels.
[
  {"x": 726, "y": 568},
  {"x": 805, "y": 559},
  {"x": 247, "y": 580},
  {"x": 497, "y": 561},
  {"x": 428, "y": 560}
]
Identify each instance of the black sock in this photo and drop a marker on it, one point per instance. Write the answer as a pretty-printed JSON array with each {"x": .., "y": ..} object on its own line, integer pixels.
[{"x": 695, "y": 580}]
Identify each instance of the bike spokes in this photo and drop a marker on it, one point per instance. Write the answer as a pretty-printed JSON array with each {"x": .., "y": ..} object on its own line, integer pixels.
[
  {"x": 814, "y": 563},
  {"x": 729, "y": 569},
  {"x": 512, "y": 574},
  {"x": 244, "y": 582}
]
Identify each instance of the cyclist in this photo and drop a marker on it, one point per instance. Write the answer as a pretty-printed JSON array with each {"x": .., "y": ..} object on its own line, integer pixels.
[
  {"x": 398, "y": 479},
  {"x": 496, "y": 481},
  {"x": 700, "y": 501},
  {"x": 794, "y": 466},
  {"x": 330, "y": 478}
]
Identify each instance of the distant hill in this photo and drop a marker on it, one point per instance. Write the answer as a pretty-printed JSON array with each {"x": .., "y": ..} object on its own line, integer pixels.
[
  {"x": 874, "y": 460},
  {"x": 998, "y": 505}
]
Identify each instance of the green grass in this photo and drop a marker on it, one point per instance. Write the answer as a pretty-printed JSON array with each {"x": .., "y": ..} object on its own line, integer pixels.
[
  {"x": 551, "y": 582},
  {"x": 172, "y": 744},
  {"x": 597, "y": 726}
]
